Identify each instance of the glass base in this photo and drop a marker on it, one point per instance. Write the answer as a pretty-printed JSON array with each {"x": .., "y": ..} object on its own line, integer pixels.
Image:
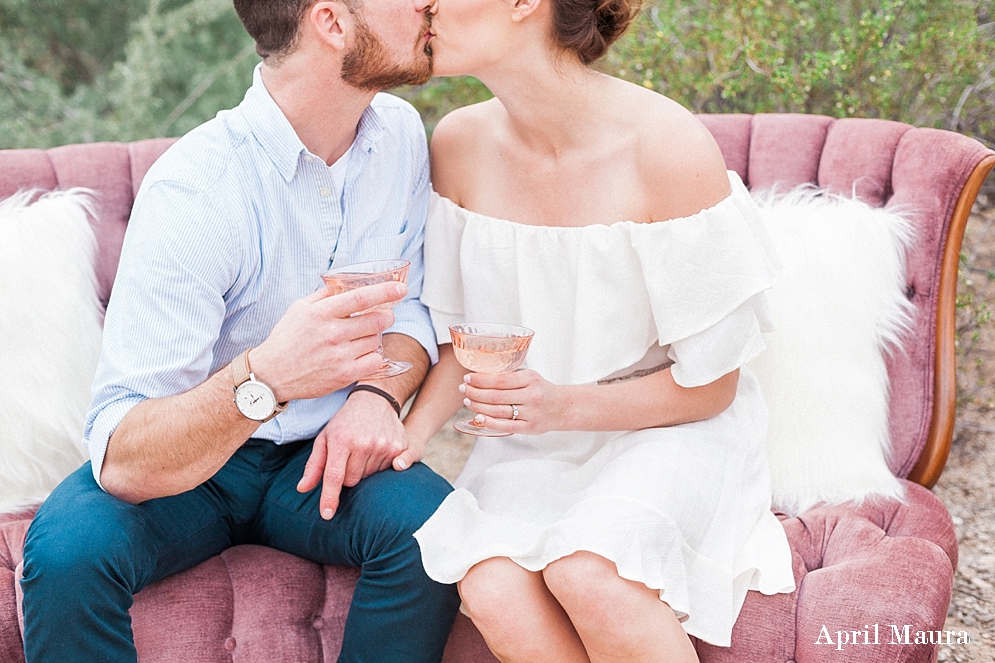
[
  {"x": 389, "y": 369},
  {"x": 471, "y": 428}
]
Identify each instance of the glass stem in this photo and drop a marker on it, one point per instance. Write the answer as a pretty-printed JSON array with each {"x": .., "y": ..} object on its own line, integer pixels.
[{"x": 383, "y": 360}]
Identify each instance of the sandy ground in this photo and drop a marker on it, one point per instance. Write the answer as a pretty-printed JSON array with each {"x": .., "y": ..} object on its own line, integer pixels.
[{"x": 967, "y": 485}]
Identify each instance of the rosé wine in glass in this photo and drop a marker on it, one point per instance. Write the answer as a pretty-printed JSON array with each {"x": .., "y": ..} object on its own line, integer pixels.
[
  {"x": 357, "y": 275},
  {"x": 488, "y": 348}
]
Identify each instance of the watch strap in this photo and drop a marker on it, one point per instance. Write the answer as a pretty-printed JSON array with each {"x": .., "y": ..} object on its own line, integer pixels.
[
  {"x": 240, "y": 368},
  {"x": 379, "y": 392}
]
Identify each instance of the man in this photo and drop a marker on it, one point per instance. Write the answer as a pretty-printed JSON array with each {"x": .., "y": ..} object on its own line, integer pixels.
[{"x": 228, "y": 236}]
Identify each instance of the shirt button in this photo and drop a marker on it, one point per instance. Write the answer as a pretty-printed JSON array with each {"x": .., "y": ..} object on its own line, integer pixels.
[
  {"x": 309, "y": 159},
  {"x": 325, "y": 192}
]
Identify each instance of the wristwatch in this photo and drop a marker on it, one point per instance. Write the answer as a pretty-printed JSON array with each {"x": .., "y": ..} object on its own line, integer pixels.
[{"x": 254, "y": 399}]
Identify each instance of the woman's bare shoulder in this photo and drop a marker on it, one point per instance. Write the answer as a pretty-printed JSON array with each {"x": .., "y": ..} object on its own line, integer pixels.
[
  {"x": 457, "y": 142},
  {"x": 681, "y": 165}
]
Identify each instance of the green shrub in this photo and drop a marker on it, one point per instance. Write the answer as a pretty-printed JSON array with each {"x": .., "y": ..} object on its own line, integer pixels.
[
  {"x": 129, "y": 69},
  {"x": 926, "y": 62},
  {"x": 119, "y": 70}
]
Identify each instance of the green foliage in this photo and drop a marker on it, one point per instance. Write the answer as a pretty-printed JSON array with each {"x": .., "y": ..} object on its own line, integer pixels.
[
  {"x": 129, "y": 69},
  {"x": 147, "y": 68},
  {"x": 973, "y": 316},
  {"x": 442, "y": 95},
  {"x": 925, "y": 62}
]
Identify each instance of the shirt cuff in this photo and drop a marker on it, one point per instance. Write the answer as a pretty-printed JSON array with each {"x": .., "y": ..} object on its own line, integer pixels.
[
  {"x": 411, "y": 319},
  {"x": 104, "y": 425}
]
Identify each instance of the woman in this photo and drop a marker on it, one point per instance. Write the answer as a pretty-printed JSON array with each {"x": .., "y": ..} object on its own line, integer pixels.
[{"x": 633, "y": 494}]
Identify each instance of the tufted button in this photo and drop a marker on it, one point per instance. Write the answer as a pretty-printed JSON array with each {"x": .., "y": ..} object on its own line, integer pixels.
[
  {"x": 910, "y": 291},
  {"x": 230, "y": 644},
  {"x": 318, "y": 623}
]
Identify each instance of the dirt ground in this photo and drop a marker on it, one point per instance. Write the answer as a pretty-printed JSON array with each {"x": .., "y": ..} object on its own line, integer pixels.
[{"x": 967, "y": 485}]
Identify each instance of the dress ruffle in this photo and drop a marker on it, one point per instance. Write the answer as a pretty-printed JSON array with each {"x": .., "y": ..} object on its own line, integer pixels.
[
  {"x": 658, "y": 277},
  {"x": 684, "y": 510}
]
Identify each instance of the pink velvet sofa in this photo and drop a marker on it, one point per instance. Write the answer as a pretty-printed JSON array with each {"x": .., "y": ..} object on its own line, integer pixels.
[{"x": 854, "y": 565}]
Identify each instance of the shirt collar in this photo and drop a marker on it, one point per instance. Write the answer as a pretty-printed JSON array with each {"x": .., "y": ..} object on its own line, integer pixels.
[
  {"x": 271, "y": 127},
  {"x": 277, "y": 136},
  {"x": 371, "y": 128}
]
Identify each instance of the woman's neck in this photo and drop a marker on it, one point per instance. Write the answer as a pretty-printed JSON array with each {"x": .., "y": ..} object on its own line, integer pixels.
[{"x": 551, "y": 105}]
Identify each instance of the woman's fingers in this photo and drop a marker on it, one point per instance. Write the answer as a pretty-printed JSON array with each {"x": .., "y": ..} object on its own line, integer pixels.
[
  {"x": 498, "y": 411},
  {"x": 496, "y": 396},
  {"x": 502, "y": 424},
  {"x": 513, "y": 380}
]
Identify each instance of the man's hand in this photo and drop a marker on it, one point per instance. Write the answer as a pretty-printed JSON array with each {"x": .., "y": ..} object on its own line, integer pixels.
[
  {"x": 363, "y": 437},
  {"x": 317, "y": 347}
]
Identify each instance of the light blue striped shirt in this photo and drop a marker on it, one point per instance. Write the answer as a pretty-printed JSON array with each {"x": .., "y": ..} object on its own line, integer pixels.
[{"x": 234, "y": 223}]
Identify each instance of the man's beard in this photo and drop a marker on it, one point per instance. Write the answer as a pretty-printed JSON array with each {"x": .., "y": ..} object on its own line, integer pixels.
[{"x": 368, "y": 66}]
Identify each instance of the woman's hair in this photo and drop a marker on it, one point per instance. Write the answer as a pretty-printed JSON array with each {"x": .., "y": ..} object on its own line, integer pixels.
[{"x": 589, "y": 27}]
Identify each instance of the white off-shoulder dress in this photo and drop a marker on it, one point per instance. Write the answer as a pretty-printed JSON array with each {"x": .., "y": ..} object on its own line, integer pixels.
[{"x": 683, "y": 509}]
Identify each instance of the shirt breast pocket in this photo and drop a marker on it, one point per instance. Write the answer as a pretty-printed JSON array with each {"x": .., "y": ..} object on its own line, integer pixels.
[{"x": 382, "y": 247}]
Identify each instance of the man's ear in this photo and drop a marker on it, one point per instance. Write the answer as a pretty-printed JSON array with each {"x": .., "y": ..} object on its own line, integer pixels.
[
  {"x": 331, "y": 22},
  {"x": 524, "y": 8}
]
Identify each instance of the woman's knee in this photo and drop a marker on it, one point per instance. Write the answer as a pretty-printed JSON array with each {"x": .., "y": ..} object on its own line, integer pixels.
[
  {"x": 585, "y": 580},
  {"x": 491, "y": 589}
]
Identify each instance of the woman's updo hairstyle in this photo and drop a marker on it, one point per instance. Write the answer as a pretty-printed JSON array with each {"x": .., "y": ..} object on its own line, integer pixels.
[{"x": 589, "y": 27}]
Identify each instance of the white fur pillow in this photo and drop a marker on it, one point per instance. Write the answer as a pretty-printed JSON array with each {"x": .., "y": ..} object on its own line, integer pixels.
[
  {"x": 839, "y": 305},
  {"x": 50, "y": 330}
]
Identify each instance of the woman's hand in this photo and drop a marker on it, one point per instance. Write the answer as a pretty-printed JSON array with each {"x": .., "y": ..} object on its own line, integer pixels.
[
  {"x": 413, "y": 453},
  {"x": 519, "y": 402}
]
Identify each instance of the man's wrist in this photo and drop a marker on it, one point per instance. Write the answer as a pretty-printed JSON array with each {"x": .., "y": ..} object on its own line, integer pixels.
[
  {"x": 394, "y": 404},
  {"x": 261, "y": 367},
  {"x": 252, "y": 397}
]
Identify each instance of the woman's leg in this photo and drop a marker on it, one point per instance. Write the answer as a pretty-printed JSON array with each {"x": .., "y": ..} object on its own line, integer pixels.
[
  {"x": 617, "y": 619},
  {"x": 518, "y": 617}
]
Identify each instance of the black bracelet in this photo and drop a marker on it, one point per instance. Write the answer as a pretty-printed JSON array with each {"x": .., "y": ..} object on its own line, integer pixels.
[{"x": 379, "y": 392}]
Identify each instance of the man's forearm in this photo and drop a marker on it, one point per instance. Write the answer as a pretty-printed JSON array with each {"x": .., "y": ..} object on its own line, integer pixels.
[
  {"x": 167, "y": 446},
  {"x": 403, "y": 348}
]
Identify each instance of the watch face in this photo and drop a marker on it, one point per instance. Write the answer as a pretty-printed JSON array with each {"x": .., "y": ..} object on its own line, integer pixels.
[{"x": 255, "y": 400}]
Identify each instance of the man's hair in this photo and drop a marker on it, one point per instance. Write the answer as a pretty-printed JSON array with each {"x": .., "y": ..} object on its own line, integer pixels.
[{"x": 275, "y": 25}]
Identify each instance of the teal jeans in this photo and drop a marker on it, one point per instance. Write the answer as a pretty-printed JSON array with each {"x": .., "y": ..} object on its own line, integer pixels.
[{"x": 87, "y": 553}]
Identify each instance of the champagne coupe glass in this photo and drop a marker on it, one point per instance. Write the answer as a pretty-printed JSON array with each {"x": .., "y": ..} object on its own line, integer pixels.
[
  {"x": 349, "y": 277},
  {"x": 488, "y": 348}
]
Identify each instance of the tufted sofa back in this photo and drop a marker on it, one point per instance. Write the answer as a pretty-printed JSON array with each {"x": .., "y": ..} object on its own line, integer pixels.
[
  {"x": 933, "y": 174},
  {"x": 887, "y": 164}
]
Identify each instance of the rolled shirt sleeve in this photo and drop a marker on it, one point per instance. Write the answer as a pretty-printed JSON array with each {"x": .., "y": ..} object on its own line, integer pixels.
[{"x": 166, "y": 309}]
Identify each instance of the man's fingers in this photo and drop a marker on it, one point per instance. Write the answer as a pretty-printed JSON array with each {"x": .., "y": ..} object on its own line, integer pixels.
[
  {"x": 355, "y": 469},
  {"x": 314, "y": 467},
  {"x": 367, "y": 297},
  {"x": 332, "y": 485},
  {"x": 368, "y": 324},
  {"x": 316, "y": 296}
]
